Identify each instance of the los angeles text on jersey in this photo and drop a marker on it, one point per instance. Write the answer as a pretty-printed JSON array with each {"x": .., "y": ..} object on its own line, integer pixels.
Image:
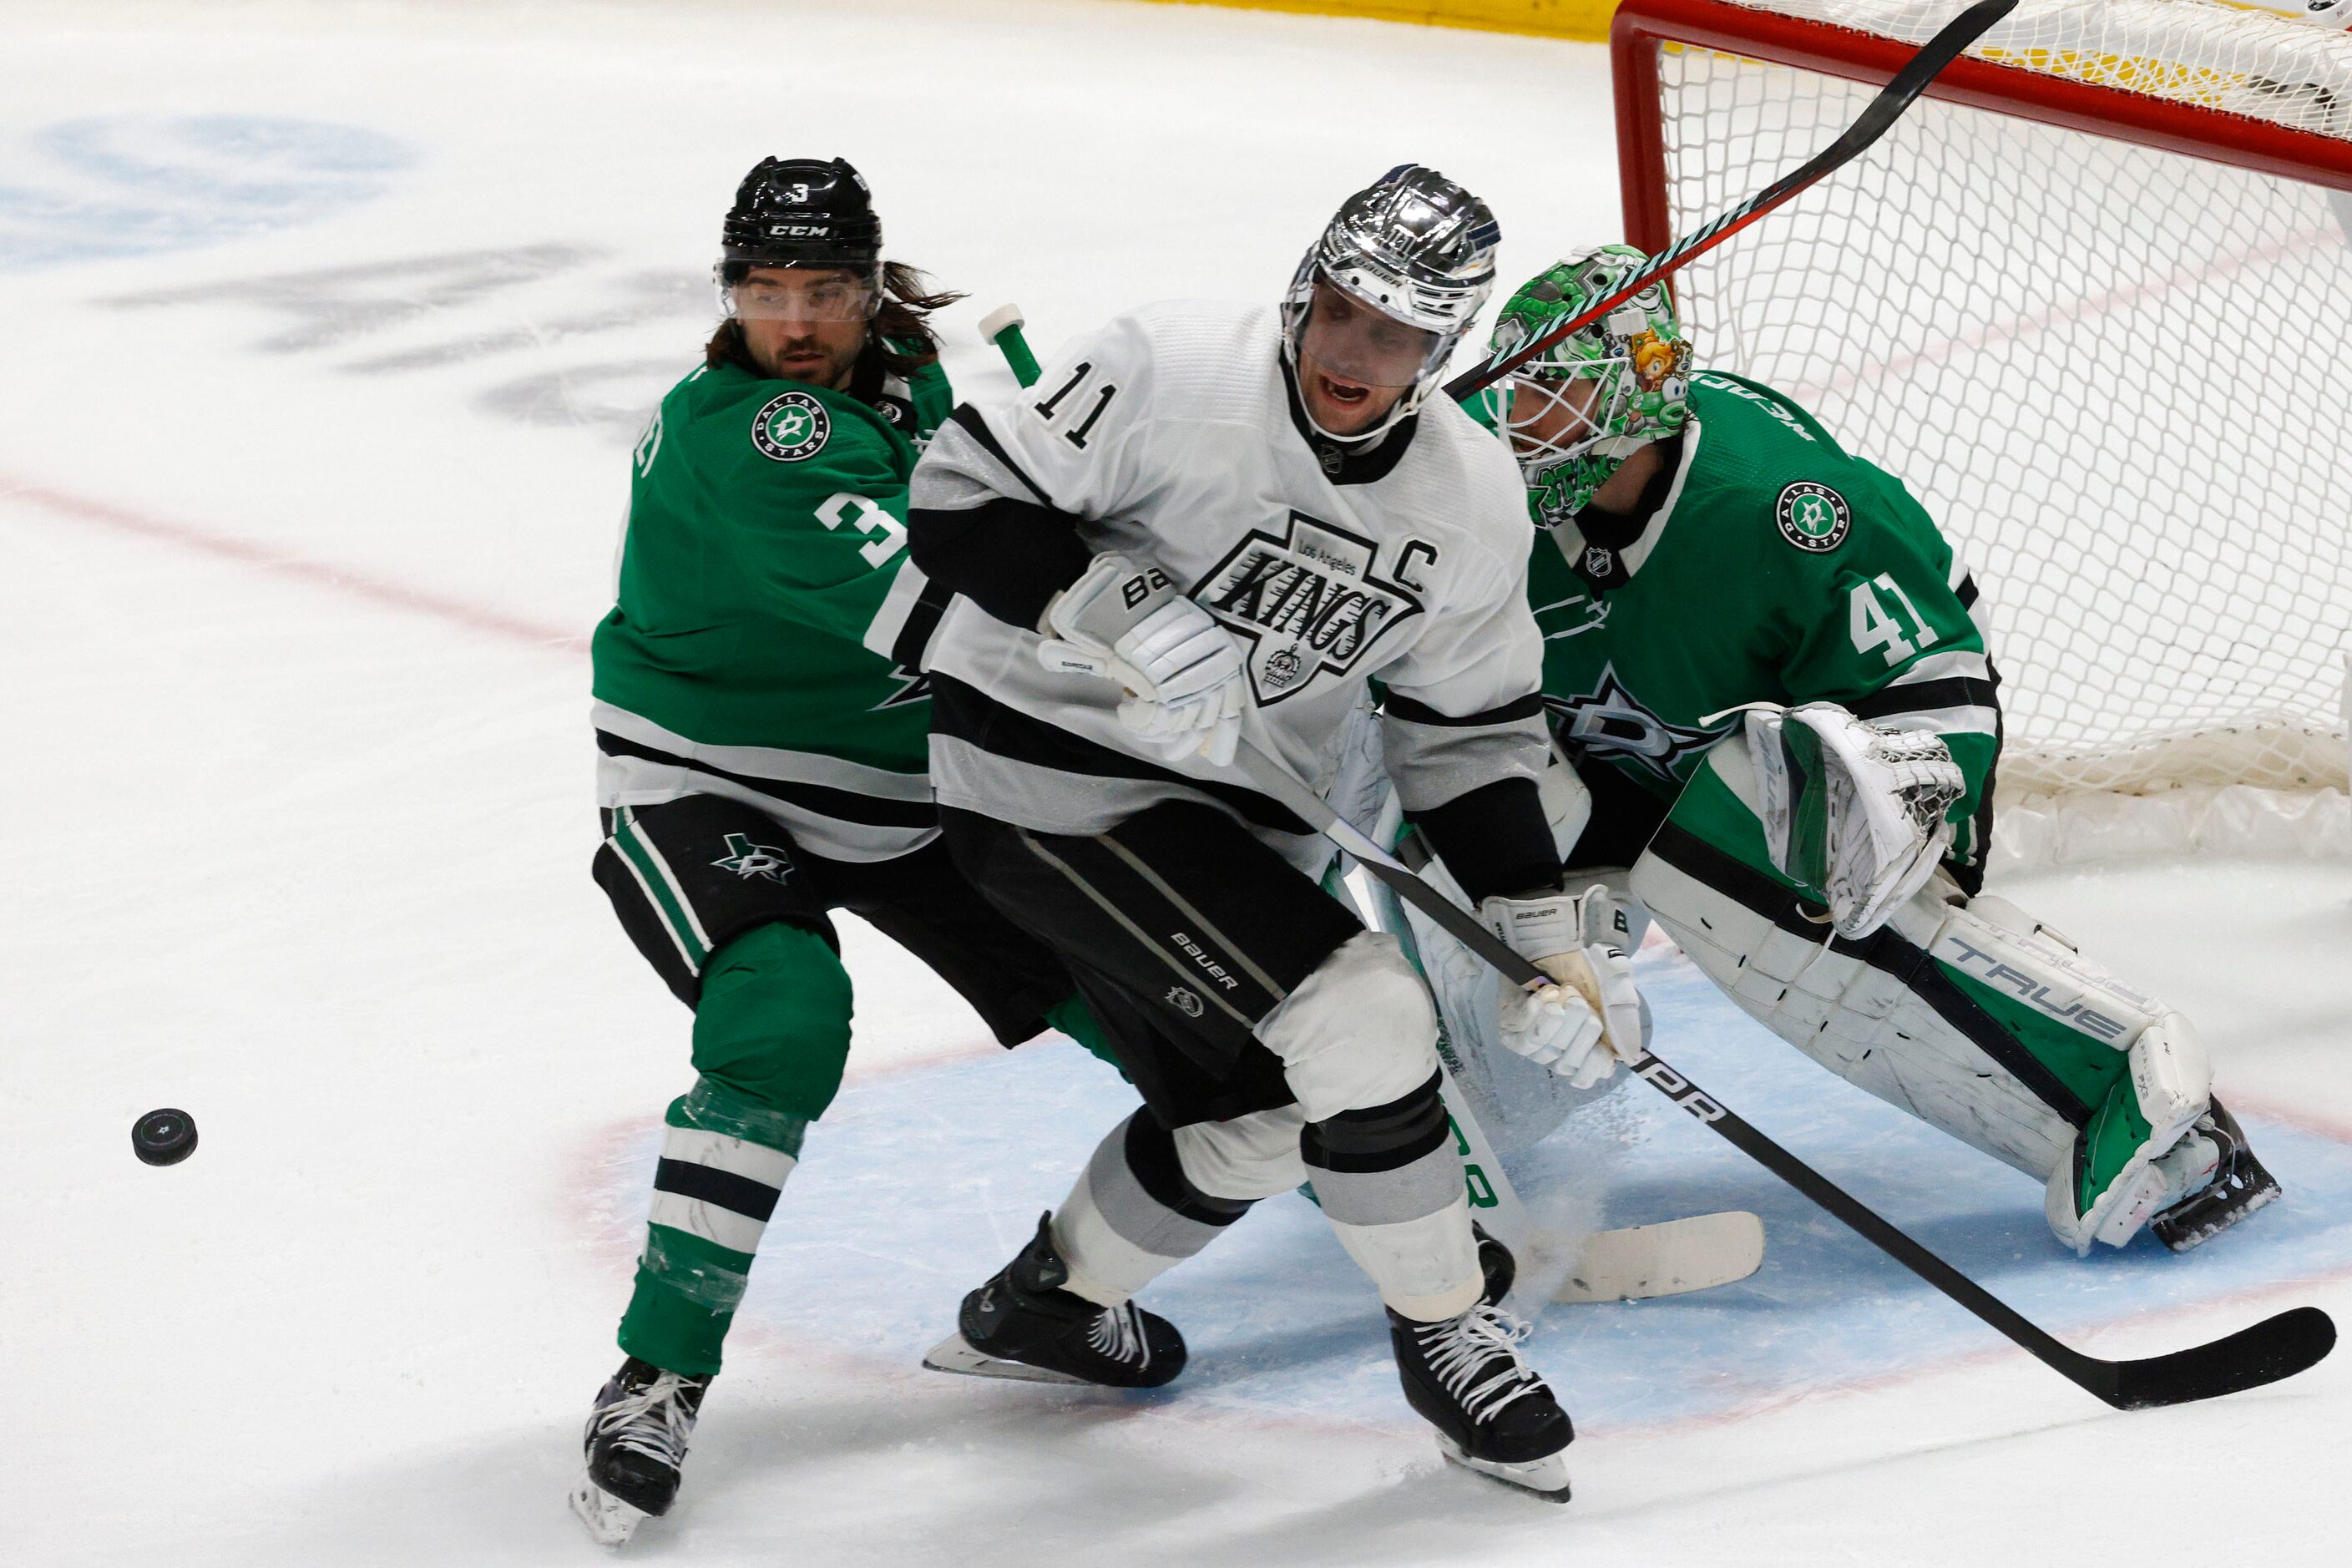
[{"x": 1308, "y": 600}]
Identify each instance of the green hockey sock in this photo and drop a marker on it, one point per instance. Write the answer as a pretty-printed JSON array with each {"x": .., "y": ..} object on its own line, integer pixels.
[{"x": 770, "y": 1039}]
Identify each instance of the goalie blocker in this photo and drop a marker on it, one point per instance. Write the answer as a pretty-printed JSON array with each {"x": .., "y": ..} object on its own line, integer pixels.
[{"x": 1967, "y": 1014}]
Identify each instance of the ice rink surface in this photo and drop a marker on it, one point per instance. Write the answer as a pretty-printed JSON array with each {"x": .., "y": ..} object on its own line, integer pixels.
[{"x": 328, "y": 330}]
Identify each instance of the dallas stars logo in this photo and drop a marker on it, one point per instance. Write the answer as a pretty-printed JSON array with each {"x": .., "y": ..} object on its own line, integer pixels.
[
  {"x": 793, "y": 425},
  {"x": 748, "y": 860},
  {"x": 1812, "y": 517},
  {"x": 1611, "y": 723},
  {"x": 1309, "y": 601}
]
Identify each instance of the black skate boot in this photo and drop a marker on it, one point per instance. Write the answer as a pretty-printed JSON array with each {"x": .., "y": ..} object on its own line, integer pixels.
[
  {"x": 1492, "y": 1413},
  {"x": 2239, "y": 1187},
  {"x": 1496, "y": 1264},
  {"x": 635, "y": 1440},
  {"x": 1022, "y": 1324}
]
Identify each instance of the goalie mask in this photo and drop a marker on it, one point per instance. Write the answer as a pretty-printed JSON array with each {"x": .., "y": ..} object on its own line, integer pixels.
[
  {"x": 1419, "y": 251},
  {"x": 1577, "y": 410}
]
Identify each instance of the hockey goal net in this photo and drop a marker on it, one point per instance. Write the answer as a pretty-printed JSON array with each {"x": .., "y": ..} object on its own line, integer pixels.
[{"x": 2091, "y": 301}]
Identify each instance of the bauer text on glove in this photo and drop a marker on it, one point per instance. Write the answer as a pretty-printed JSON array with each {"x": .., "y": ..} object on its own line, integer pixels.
[{"x": 1589, "y": 1017}]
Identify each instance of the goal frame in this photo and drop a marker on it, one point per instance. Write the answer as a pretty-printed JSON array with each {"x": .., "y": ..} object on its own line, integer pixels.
[{"x": 1643, "y": 26}]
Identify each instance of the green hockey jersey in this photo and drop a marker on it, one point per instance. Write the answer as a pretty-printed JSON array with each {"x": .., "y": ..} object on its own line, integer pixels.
[
  {"x": 1779, "y": 568},
  {"x": 766, "y": 532}
]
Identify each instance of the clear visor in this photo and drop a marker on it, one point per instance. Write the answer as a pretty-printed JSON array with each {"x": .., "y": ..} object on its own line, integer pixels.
[
  {"x": 798, "y": 294},
  {"x": 1550, "y": 417},
  {"x": 1351, "y": 340}
]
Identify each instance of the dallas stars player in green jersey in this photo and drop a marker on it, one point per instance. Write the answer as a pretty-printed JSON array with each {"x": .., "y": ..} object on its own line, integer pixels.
[
  {"x": 764, "y": 760},
  {"x": 1762, "y": 664}
]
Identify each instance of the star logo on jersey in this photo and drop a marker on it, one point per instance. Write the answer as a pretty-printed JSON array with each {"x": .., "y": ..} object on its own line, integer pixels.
[
  {"x": 1611, "y": 723},
  {"x": 1309, "y": 601},
  {"x": 1812, "y": 517},
  {"x": 748, "y": 860},
  {"x": 793, "y": 427},
  {"x": 913, "y": 686}
]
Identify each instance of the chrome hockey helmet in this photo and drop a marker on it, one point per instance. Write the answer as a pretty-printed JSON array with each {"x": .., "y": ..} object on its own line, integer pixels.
[{"x": 1420, "y": 250}]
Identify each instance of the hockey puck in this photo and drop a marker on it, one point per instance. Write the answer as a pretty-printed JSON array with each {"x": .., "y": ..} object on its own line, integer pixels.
[{"x": 163, "y": 1137}]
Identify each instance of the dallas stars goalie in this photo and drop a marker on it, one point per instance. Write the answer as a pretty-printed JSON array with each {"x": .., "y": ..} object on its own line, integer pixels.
[{"x": 1779, "y": 727}]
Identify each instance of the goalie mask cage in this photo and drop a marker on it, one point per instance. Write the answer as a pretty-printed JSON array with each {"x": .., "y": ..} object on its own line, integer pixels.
[{"x": 2091, "y": 300}]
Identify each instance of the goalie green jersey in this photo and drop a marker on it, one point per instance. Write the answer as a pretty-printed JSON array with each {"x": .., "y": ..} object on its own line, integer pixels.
[
  {"x": 1775, "y": 568},
  {"x": 765, "y": 546}
]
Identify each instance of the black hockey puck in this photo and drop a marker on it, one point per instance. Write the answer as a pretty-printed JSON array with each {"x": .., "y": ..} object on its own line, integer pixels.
[{"x": 163, "y": 1137}]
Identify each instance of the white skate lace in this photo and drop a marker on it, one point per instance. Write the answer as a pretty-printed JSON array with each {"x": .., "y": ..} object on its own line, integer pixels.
[
  {"x": 653, "y": 1420},
  {"x": 1116, "y": 1334},
  {"x": 1461, "y": 1348}
]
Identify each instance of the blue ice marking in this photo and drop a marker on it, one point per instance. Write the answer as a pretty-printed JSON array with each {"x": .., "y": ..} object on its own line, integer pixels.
[
  {"x": 917, "y": 1186},
  {"x": 93, "y": 189}
]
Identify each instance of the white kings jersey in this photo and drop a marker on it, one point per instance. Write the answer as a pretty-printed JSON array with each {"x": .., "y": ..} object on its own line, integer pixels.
[{"x": 1172, "y": 435}]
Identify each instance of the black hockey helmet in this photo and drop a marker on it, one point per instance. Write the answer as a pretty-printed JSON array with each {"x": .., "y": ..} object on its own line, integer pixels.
[{"x": 801, "y": 212}]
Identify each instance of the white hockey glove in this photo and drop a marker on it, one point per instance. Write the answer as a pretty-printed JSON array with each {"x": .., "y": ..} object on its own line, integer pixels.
[
  {"x": 1852, "y": 809},
  {"x": 1589, "y": 1018},
  {"x": 1181, "y": 670}
]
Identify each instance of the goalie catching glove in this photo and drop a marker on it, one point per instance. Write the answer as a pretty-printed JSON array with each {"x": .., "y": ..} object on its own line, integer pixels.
[
  {"x": 1180, "y": 669},
  {"x": 1852, "y": 809},
  {"x": 1588, "y": 1019}
]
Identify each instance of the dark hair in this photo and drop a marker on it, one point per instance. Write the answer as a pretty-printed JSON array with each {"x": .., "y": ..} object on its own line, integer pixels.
[{"x": 899, "y": 340}]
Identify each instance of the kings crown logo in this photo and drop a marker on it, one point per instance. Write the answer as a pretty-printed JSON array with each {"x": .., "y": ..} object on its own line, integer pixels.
[{"x": 1308, "y": 601}]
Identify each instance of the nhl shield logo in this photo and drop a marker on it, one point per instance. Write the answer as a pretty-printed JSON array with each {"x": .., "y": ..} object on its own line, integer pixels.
[
  {"x": 1308, "y": 601},
  {"x": 1185, "y": 1001},
  {"x": 793, "y": 427}
]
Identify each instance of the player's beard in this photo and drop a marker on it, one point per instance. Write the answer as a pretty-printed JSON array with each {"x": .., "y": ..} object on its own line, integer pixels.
[{"x": 804, "y": 359}]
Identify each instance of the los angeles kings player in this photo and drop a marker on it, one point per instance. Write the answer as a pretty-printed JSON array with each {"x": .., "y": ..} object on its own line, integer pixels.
[{"x": 1209, "y": 523}]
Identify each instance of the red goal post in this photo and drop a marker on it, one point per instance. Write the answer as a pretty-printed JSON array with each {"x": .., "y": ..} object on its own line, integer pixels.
[
  {"x": 1641, "y": 27},
  {"x": 2045, "y": 302}
]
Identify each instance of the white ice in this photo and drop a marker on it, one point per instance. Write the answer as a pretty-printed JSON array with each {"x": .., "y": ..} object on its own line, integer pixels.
[{"x": 326, "y": 330}]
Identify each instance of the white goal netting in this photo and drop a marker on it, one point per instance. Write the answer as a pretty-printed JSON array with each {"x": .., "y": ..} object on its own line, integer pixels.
[{"x": 2120, "y": 376}]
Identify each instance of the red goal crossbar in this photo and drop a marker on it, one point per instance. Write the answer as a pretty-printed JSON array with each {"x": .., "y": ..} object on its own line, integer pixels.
[{"x": 1643, "y": 26}]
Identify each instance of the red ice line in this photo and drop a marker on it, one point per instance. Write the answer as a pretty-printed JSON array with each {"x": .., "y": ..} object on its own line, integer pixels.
[{"x": 271, "y": 562}]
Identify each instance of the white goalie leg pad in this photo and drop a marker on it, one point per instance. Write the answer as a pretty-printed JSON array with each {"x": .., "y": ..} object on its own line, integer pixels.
[
  {"x": 1358, "y": 1032},
  {"x": 1861, "y": 1022},
  {"x": 2172, "y": 1080},
  {"x": 1247, "y": 1158},
  {"x": 2171, "y": 1077}
]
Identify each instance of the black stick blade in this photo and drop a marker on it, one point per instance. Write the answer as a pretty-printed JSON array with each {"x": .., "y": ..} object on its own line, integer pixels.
[{"x": 2273, "y": 1349}]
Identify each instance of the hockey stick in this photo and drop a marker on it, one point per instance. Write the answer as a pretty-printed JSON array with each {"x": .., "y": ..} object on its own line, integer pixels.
[
  {"x": 1487, "y": 1183},
  {"x": 2275, "y": 1348},
  {"x": 1874, "y": 123}
]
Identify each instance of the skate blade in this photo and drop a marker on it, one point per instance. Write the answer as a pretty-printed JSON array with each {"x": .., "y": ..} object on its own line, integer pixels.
[
  {"x": 610, "y": 1520},
  {"x": 1546, "y": 1478},
  {"x": 955, "y": 1354},
  {"x": 2183, "y": 1240}
]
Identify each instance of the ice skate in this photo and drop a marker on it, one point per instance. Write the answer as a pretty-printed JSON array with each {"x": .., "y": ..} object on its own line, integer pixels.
[
  {"x": 1492, "y": 1413},
  {"x": 1024, "y": 1325},
  {"x": 1496, "y": 1264},
  {"x": 636, "y": 1442},
  {"x": 2239, "y": 1187}
]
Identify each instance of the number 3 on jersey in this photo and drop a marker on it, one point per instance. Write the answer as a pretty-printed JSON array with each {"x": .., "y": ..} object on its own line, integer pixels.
[
  {"x": 1051, "y": 407},
  {"x": 1876, "y": 623},
  {"x": 889, "y": 533}
]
